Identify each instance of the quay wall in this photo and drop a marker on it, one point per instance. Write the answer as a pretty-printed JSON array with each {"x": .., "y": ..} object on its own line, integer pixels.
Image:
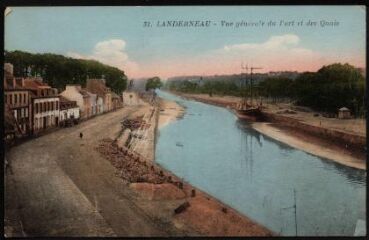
[
  {"x": 334, "y": 136},
  {"x": 338, "y": 137}
]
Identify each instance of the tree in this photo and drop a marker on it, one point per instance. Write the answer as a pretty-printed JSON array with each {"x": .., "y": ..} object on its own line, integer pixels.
[
  {"x": 58, "y": 70},
  {"x": 330, "y": 88},
  {"x": 153, "y": 83}
]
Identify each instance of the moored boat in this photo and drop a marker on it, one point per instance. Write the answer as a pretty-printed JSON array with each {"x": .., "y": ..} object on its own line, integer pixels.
[{"x": 253, "y": 114}]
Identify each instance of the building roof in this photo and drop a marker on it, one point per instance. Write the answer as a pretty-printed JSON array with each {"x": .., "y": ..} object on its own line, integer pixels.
[
  {"x": 343, "y": 109},
  {"x": 13, "y": 83},
  {"x": 8, "y": 84},
  {"x": 34, "y": 83},
  {"x": 97, "y": 86},
  {"x": 91, "y": 94},
  {"x": 64, "y": 99},
  {"x": 84, "y": 93}
]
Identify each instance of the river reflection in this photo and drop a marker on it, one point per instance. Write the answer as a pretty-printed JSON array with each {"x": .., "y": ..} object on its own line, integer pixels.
[
  {"x": 353, "y": 175},
  {"x": 257, "y": 175}
]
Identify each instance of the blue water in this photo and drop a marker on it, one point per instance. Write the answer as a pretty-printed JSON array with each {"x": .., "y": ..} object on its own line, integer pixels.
[{"x": 257, "y": 176}]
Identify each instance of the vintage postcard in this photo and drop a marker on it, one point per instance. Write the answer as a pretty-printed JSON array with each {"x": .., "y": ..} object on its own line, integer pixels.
[{"x": 185, "y": 121}]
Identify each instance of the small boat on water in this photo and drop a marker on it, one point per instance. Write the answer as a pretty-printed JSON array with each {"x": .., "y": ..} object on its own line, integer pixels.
[{"x": 178, "y": 144}]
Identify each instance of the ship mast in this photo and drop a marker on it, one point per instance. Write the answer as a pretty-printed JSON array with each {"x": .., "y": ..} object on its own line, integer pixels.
[
  {"x": 251, "y": 82},
  {"x": 245, "y": 69}
]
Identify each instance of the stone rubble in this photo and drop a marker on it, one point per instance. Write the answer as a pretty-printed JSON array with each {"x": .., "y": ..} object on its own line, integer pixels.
[{"x": 131, "y": 166}]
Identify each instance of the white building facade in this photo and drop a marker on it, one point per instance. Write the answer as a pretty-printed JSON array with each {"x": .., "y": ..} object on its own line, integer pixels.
[{"x": 45, "y": 113}]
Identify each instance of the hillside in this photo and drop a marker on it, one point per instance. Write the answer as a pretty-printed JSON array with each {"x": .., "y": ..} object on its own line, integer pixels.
[{"x": 58, "y": 70}]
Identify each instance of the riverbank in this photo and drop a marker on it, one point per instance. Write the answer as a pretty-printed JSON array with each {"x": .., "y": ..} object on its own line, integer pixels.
[
  {"x": 310, "y": 144},
  {"x": 169, "y": 111},
  {"x": 205, "y": 214},
  {"x": 335, "y": 139},
  {"x": 161, "y": 194}
]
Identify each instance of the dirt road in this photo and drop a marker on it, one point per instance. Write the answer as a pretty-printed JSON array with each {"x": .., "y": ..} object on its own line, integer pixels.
[{"x": 60, "y": 186}]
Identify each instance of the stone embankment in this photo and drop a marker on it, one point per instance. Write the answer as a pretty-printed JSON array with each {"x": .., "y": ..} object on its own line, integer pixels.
[
  {"x": 349, "y": 140},
  {"x": 159, "y": 186}
]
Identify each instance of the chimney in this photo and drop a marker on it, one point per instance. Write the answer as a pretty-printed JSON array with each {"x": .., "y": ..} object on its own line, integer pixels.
[{"x": 9, "y": 69}]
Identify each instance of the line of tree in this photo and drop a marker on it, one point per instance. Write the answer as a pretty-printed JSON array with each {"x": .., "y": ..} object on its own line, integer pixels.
[
  {"x": 58, "y": 70},
  {"x": 330, "y": 88}
]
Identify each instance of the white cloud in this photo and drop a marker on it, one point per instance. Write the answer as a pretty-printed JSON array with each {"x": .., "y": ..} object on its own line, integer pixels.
[
  {"x": 111, "y": 52},
  {"x": 277, "y": 52},
  {"x": 274, "y": 42}
]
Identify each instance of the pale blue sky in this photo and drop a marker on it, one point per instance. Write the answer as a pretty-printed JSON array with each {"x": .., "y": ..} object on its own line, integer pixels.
[{"x": 76, "y": 31}]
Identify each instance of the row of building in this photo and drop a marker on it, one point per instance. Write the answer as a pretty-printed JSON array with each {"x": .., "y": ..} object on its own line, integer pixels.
[{"x": 32, "y": 106}]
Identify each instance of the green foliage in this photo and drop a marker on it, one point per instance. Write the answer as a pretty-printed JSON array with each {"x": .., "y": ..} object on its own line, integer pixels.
[
  {"x": 58, "y": 70},
  {"x": 278, "y": 87},
  {"x": 153, "y": 83},
  {"x": 209, "y": 87},
  {"x": 332, "y": 87}
]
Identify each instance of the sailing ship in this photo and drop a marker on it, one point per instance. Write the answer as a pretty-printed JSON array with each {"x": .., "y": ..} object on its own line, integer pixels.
[{"x": 248, "y": 111}]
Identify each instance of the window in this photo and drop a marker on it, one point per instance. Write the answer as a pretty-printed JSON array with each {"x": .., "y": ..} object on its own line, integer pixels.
[
  {"x": 20, "y": 98},
  {"x": 15, "y": 98},
  {"x": 10, "y": 99},
  {"x": 25, "y": 98},
  {"x": 6, "y": 98},
  {"x": 36, "y": 108},
  {"x": 57, "y": 106}
]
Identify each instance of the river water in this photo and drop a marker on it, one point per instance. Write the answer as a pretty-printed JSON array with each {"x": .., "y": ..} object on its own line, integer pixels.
[{"x": 257, "y": 176}]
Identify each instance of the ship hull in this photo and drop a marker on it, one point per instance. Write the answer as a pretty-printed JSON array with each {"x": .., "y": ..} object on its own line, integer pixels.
[{"x": 251, "y": 115}]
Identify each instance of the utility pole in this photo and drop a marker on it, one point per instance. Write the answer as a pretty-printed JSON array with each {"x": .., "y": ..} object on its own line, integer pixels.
[{"x": 294, "y": 206}]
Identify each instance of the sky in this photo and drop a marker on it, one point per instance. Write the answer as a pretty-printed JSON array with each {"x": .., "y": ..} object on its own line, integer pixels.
[{"x": 116, "y": 36}]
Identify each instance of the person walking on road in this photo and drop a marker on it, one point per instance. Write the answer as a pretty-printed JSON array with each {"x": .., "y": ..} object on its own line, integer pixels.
[{"x": 81, "y": 135}]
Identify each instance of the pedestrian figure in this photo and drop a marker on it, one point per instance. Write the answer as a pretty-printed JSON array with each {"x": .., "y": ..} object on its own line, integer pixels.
[
  {"x": 80, "y": 135},
  {"x": 8, "y": 166}
]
